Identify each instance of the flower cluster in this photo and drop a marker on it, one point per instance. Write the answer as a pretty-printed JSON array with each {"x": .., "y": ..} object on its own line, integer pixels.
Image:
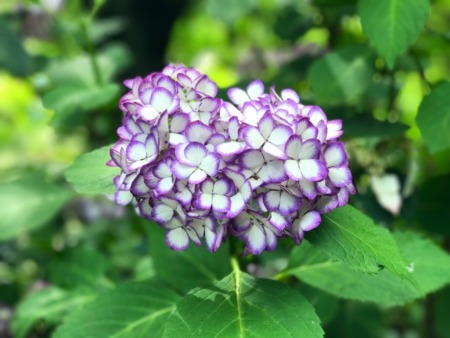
[{"x": 260, "y": 168}]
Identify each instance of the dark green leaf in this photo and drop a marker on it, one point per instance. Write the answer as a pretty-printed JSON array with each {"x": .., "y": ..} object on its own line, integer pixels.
[
  {"x": 230, "y": 10},
  {"x": 427, "y": 263},
  {"x": 28, "y": 203},
  {"x": 433, "y": 118},
  {"x": 367, "y": 126},
  {"x": 132, "y": 310},
  {"x": 315, "y": 268},
  {"x": 13, "y": 56},
  {"x": 341, "y": 76},
  {"x": 90, "y": 175},
  {"x": 80, "y": 267},
  {"x": 349, "y": 236},
  {"x": 194, "y": 267},
  {"x": 430, "y": 265},
  {"x": 392, "y": 25},
  {"x": 440, "y": 311},
  {"x": 242, "y": 306},
  {"x": 71, "y": 102},
  {"x": 49, "y": 305}
]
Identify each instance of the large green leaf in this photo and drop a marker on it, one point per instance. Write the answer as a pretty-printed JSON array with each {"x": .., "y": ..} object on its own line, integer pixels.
[
  {"x": 132, "y": 310},
  {"x": 80, "y": 267},
  {"x": 315, "y": 268},
  {"x": 341, "y": 76},
  {"x": 28, "y": 203},
  {"x": 392, "y": 25},
  {"x": 70, "y": 102},
  {"x": 49, "y": 305},
  {"x": 194, "y": 267},
  {"x": 13, "y": 56},
  {"x": 429, "y": 265},
  {"x": 433, "y": 118},
  {"x": 242, "y": 306},
  {"x": 90, "y": 175},
  {"x": 367, "y": 126},
  {"x": 349, "y": 236}
]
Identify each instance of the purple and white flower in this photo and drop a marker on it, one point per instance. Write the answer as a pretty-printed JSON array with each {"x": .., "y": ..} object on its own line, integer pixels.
[{"x": 261, "y": 167}]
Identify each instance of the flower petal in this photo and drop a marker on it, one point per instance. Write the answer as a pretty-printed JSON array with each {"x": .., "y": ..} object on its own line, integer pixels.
[
  {"x": 255, "y": 89},
  {"x": 313, "y": 170},
  {"x": 255, "y": 239},
  {"x": 237, "y": 96},
  {"x": 123, "y": 197},
  {"x": 310, "y": 220},
  {"x": 136, "y": 151},
  {"x": 293, "y": 170},
  {"x": 162, "y": 213},
  {"x": 210, "y": 164},
  {"x": 195, "y": 152},
  {"x": 221, "y": 203},
  {"x": 290, "y": 94},
  {"x": 177, "y": 239},
  {"x": 253, "y": 137},
  {"x": 340, "y": 177},
  {"x": 334, "y": 154},
  {"x": 280, "y": 135},
  {"x": 161, "y": 99},
  {"x": 180, "y": 170},
  {"x": 206, "y": 86},
  {"x": 198, "y": 176}
]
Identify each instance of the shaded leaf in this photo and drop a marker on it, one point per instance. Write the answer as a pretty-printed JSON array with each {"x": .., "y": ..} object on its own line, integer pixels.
[
  {"x": 341, "y": 76},
  {"x": 132, "y": 310},
  {"x": 80, "y": 267},
  {"x": 316, "y": 269},
  {"x": 28, "y": 203},
  {"x": 428, "y": 264},
  {"x": 367, "y": 126},
  {"x": 242, "y": 306},
  {"x": 194, "y": 267},
  {"x": 49, "y": 305},
  {"x": 71, "y": 101},
  {"x": 230, "y": 10},
  {"x": 13, "y": 56},
  {"x": 349, "y": 236},
  {"x": 433, "y": 118},
  {"x": 90, "y": 175},
  {"x": 392, "y": 25}
]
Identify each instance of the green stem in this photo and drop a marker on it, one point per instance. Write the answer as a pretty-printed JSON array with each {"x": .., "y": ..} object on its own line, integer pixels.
[{"x": 92, "y": 54}]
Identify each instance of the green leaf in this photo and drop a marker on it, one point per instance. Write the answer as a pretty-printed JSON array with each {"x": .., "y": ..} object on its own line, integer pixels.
[
  {"x": 349, "y": 236},
  {"x": 341, "y": 76},
  {"x": 28, "y": 203},
  {"x": 13, "y": 56},
  {"x": 428, "y": 262},
  {"x": 242, "y": 306},
  {"x": 231, "y": 10},
  {"x": 80, "y": 267},
  {"x": 367, "y": 126},
  {"x": 194, "y": 267},
  {"x": 49, "y": 305},
  {"x": 392, "y": 25},
  {"x": 440, "y": 311},
  {"x": 132, "y": 310},
  {"x": 70, "y": 102},
  {"x": 90, "y": 175},
  {"x": 428, "y": 265},
  {"x": 433, "y": 118},
  {"x": 315, "y": 268}
]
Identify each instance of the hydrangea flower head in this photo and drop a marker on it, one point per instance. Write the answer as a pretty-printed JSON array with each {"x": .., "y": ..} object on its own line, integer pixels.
[{"x": 260, "y": 167}]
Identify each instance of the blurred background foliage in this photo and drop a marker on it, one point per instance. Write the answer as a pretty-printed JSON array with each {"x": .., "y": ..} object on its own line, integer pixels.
[{"x": 61, "y": 65}]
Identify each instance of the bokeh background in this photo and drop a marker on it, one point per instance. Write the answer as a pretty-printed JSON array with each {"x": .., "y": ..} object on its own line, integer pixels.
[{"x": 62, "y": 64}]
